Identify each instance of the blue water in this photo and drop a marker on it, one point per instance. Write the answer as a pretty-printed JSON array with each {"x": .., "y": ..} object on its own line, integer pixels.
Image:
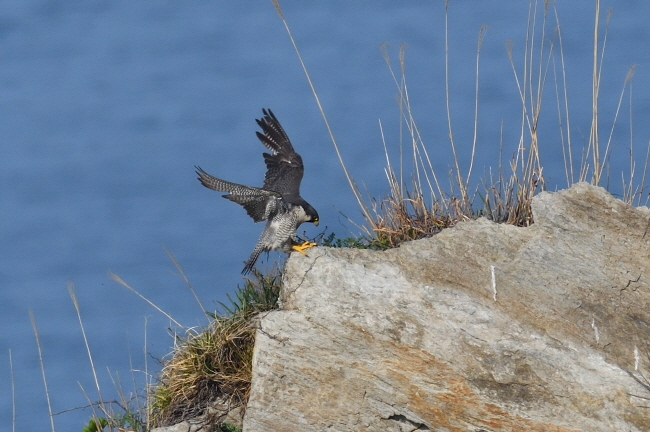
[{"x": 106, "y": 106}]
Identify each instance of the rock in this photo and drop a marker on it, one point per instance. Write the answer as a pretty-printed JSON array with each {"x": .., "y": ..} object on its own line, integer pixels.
[
  {"x": 219, "y": 412},
  {"x": 185, "y": 426},
  {"x": 483, "y": 327}
]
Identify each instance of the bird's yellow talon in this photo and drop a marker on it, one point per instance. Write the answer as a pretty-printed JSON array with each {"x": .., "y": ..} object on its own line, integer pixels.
[{"x": 300, "y": 247}]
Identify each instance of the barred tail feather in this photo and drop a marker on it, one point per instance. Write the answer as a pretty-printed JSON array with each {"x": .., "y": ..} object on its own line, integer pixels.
[{"x": 248, "y": 267}]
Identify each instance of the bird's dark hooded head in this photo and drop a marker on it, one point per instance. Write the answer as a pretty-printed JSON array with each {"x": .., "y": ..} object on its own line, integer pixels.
[{"x": 311, "y": 215}]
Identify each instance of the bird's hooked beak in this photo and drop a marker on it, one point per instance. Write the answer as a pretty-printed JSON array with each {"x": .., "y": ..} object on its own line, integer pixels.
[{"x": 315, "y": 222}]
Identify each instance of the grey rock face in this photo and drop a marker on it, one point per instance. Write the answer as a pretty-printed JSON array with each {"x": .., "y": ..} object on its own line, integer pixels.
[
  {"x": 185, "y": 426},
  {"x": 483, "y": 327}
]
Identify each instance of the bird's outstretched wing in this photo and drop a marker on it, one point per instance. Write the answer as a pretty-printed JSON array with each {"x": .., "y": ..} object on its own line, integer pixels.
[
  {"x": 284, "y": 168},
  {"x": 260, "y": 204}
]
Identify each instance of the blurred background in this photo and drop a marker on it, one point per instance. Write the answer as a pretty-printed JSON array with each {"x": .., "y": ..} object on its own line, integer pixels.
[{"x": 106, "y": 106}]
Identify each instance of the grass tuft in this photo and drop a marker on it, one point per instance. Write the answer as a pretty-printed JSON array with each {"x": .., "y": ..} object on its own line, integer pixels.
[{"x": 209, "y": 371}]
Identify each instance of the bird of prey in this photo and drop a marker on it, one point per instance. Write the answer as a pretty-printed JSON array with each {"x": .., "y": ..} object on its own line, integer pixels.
[{"x": 278, "y": 201}]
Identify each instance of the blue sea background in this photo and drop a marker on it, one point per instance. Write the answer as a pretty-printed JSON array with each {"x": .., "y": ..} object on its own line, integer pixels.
[{"x": 106, "y": 106}]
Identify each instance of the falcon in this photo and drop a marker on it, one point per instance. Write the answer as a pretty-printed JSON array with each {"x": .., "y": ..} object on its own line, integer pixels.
[{"x": 278, "y": 201}]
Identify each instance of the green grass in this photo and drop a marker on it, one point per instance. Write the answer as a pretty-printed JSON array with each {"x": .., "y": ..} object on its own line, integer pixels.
[{"x": 360, "y": 242}]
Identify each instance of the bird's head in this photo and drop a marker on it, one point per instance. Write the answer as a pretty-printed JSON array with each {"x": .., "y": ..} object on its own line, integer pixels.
[{"x": 312, "y": 214}]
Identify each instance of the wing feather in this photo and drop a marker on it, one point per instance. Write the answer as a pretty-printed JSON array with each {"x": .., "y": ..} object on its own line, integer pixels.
[
  {"x": 284, "y": 167},
  {"x": 260, "y": 204}
]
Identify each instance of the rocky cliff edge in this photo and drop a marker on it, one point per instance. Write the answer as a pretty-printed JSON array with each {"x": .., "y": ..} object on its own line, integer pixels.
[{"x": 483, "y": 327}]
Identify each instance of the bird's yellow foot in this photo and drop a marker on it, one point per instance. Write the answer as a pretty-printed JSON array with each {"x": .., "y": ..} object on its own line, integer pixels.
[{"x": 300, "y": 247}]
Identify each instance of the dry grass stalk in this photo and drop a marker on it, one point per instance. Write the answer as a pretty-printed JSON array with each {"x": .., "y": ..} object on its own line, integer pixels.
[
  {"x": 13, "y": 393},
  {"x": 40, "y": 359},
  {"x": 424, "y": 209}
]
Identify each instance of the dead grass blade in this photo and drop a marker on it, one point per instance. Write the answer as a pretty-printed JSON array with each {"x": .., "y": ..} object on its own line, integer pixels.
[
  {"x": 185, "y": 279},
  {"x": 83, "y": 333},
  {"x": 353, "y": 186},
  {"x": 119, "y": 280},
  {"x": 40, "y": 360},
  {"x": 13, "y": 393}
]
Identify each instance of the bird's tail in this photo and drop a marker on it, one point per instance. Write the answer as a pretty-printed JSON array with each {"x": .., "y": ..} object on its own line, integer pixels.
[{"x": 248, "y": 267}]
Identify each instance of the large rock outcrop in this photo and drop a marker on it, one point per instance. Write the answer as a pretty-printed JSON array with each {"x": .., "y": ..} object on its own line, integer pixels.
[{"x": 483, "y": 327}]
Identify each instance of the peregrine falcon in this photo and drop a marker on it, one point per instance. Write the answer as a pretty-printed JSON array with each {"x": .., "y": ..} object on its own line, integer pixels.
[{"x": 278, "y": 201}]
